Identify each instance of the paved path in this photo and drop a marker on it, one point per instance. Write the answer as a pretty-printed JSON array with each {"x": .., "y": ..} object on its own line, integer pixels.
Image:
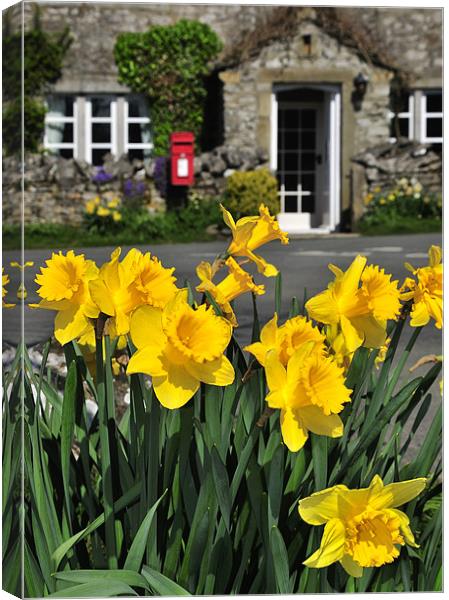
[{"x": 303, "y": 264}]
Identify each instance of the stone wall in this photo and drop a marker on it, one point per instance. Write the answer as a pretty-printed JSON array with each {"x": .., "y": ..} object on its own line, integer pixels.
[{"x": 385, "y": 164}]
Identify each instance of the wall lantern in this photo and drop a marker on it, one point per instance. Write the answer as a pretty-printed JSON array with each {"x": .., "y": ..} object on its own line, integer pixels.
[{"x": 360, "y": 84}]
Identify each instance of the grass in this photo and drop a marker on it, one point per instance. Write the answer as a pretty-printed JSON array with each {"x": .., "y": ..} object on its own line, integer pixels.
[
  {"x": 403, "y": 225},
  {"x": 51, "y": 235}
]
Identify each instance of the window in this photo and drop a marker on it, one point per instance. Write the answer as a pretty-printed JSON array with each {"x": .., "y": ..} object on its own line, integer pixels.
[
  {"x": 102, "y": 123},
  {"x": 432, "y": 117},
  {"x": 137, "y": 133},
  {"x": 401, "y": 121},
  {"x": 61, "y": 125},
  {"x": 101, "y": 128},
  {"x": 419, "y": 116}
]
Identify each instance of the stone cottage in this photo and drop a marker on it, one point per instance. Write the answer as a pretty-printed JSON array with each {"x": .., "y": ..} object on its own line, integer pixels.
[{"x": 306, "y": 92}]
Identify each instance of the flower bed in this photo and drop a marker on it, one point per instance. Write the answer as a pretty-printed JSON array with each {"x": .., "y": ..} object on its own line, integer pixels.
[{"x": 220, "y": 474}]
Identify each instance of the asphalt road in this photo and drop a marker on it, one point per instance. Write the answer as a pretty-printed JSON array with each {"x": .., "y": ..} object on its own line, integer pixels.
[{"x": 303, "y": 264}]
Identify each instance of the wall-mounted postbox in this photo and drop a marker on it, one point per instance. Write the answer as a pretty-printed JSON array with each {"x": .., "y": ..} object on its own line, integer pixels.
[{"x": 181, "y": 157}]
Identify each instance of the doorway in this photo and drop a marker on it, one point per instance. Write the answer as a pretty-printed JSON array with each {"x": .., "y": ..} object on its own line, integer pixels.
[{"x": 305, "y": 155}]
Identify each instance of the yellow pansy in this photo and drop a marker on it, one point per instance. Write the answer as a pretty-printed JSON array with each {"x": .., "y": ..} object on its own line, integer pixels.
[
  {"x": 356, "y": 315},
  {"x": 426, "y": 291},
  {"x": 235, "y": 284},
  {"x": 180, "y": 347},
  {"x": 64, "y": 287},
  {"x": 363, "y": 527},
  {"x": 116, "y": 215},
  {"x": 123, "y": 286},
  {"x": 5, "y": 281},
  {"x": 286, "y": 339},
  {"x": 251, "y": 232},
  {"x": 309, "y": 392}
]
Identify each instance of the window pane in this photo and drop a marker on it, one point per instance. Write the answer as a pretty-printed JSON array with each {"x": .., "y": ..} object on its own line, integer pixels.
[
  {"x": 291, "y": 204},
  {"x": 291, "y": 162},
  {"x": 291, "y": 119},
  {"x": 308, "y": 182},
  {"x": 101, "y": 133},
  {"x": 308, "y": 119},
  {"x": 308, "y": 140},
  {"x": 434, "y": 103},
  {"x": 66, "y": 152},
  {"x": 434, "y": 127},
  {"x": 308, "y": 161},
  {"x": 134, "y": 133},
  {"x": 308, "y": 204},
  {"x": 98, "y": 154},
  {"x": 291, "y": 182},
  {"x": 137, "y": 107},
  {"x": 60, "y": 106},
  {"x": 101, "y": 106},
  {"x": 135, "y": 153},
  {"x": 291, "y": 140}
]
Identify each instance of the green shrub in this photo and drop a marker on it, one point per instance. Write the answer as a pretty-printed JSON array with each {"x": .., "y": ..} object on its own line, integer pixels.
[
  {"x": 12, "y": 125},
  {"x": 168, "y": 64},
  {"x": 246, "y": 190}
]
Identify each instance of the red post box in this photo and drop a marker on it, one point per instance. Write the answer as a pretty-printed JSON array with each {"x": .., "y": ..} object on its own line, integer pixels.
[{"x": 181, "y": 157}]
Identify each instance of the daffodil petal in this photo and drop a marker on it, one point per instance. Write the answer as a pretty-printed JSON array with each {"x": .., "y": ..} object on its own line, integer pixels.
[
  {"x": 269, "y": 332},
  {"x": 314, "y": 420},
  {"x": 70, "y": 324},
  {"x": 102, "y": 296},
  {"x": 419, "y": 315},
  {"x": 275, "y": 399},
  {"x": 258, "y": 350},
  {"x": 351, "y": 567},
  {"x": 293, "y": 433},
  {"x": 214, "y": 372},
  {"x": 397, "y": 494},
  {"x": 405, "y": 526},
  {"x": 176, "y": 388},
  {"x": 332, "y": 546},
  {"x": 373, "y": 332},
  {"x": 353, "y": 338},
  {"x": 146, "y": 360},
  {"x": 322, "y": 506},
  {"x": 323, "y": 308},
  {"x": 146, "y": 327},
  {"x": 275, "y": 372}
]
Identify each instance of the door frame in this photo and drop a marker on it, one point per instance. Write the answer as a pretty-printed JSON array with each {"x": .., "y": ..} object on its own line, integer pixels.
[{"x": 332, "y": 104}]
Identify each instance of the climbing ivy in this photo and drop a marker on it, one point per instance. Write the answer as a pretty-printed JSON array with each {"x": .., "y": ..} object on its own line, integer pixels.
[
  {"x": 42, "y": 64},
  {"x": 168, "y": 64}
]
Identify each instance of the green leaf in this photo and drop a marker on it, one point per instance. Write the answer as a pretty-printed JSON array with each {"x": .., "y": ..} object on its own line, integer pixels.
[
  {"x": 280, "y": 561},
  {"x": 95, "y": 589},
  {"x": 67, "y": 429},
  {"x": 221, "y": 482},
  {"x": 137, "y": 550},
  {"x": 319, "y": 457},
  {"x": 126, "y": 576},
  {"x": 162, "y": 585}
]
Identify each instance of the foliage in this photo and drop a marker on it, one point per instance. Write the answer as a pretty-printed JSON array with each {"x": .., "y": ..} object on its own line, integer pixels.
[
  {"x": 168, "y": 64},
  {"x": 203, "y": 500},
  {"x": 407, "y": 207},
  {"x": 245, "y": 189},
  {"x": 42, "y": 66},
  {"x": 136, "y": 227},
  {"x": 103, "y": 215},
  {"x": 34, "y": 122}
]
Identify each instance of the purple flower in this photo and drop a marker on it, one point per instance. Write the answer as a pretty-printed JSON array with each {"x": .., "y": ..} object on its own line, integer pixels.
[
  {"x": 101, "y": 176},
  {"x": 133, "y": 189},
  {"x": 160, "y": 175}
]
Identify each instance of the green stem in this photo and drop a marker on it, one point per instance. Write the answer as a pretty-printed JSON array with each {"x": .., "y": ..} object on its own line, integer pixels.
[{"x": 106, "y": 474}]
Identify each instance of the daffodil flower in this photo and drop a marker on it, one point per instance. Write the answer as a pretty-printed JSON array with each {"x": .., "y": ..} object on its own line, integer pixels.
[
  {"x": 5, "y": 281},
  {"x": 363, "y": 527},
  {"x": 286, "y": 339},
  {"x": 180, "y": 347},
  {"x": 236, "y": 283},
  {"x": 251, "y": 232},
  {"x": 123, "y": 286},
  {"x": 64, "y": 287},
  {"x": 426, "y": 291},
  {"x": 309, "y": 392},
  {"x": 356, "y": 315}
]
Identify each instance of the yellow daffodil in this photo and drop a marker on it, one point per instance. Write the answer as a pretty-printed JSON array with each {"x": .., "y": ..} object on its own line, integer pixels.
[
  {"x": 180, "y": 347},
  {"x": 103, "y": 212},
  {"x": 5, "y": 281},
  {"x": 356, "y": 315},
  {"x": 235, "y": 284},
  {"x": 90, "y": 207},
  {"x": 116, "y": 215},
  {"x": 123, "y": 286},
  {"x": 286, "y": 339},
  {"x": 426, "y": 291},
  {"x": 363, "y": 527},
  {"x": 309, "y": 392},
  {"x": 64, "y": 287},
  {"x": 113, "y": 203},
  {"x": 251, "y": 232}
]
